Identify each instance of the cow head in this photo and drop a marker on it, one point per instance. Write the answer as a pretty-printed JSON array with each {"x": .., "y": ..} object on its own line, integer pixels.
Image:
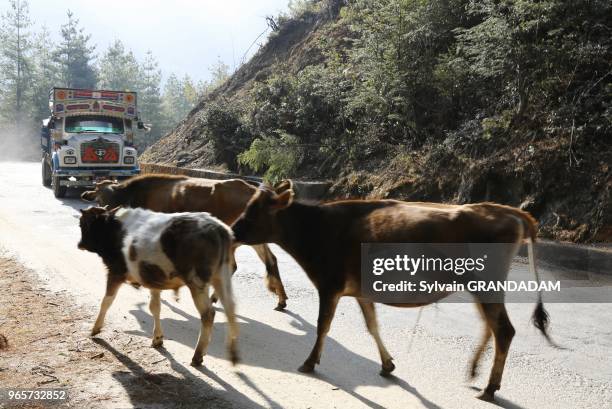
[
  {"x": 99, "y": 228},
  {"x": 259, "y": 222},
  {"x": 102, "y": 194}
]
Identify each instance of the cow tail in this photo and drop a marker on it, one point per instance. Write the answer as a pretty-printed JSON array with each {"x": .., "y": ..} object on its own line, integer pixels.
[{"x": 540, "y": 317}]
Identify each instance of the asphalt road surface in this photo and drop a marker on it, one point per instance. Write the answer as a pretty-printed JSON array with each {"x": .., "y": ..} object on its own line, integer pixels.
[{"x": 431, "y": 357}]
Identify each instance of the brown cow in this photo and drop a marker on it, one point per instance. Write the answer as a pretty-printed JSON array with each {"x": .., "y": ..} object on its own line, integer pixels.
[
  {"x": 325, "y": 240},
  {"x": 224, "y": 199}
]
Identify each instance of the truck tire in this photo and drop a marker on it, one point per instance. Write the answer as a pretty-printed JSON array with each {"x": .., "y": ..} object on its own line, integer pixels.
[
  {"x": 59, "y": 191},
  {"x": 46, "y": 173}
]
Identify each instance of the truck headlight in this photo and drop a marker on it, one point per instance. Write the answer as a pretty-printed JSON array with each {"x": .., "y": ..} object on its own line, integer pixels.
[
  {"x": 128, "y": 160},
  {"x": 70, "y": 160}
]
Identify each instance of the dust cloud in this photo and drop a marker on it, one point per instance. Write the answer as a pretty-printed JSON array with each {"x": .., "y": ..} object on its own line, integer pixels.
[{"x": 19, "y": 143}]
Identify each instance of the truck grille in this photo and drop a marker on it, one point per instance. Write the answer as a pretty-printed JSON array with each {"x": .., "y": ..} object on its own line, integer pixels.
[{"x": 100, "y": 151}]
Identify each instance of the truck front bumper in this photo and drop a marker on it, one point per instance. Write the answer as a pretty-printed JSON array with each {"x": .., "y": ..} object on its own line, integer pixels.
[{"x": 88, "y": 177}]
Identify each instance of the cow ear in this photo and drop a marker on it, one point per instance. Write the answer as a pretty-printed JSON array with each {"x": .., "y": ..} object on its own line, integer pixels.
[
  {"x": 283, "y": 200},
  {"x": 105, "y": 184},
  {"x": 114, "y": 210},
  {"x": 89, "y": 196},
  {"x": 283, "y": 185}
]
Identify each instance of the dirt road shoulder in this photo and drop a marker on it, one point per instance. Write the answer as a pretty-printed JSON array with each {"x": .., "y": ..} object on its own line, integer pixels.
[{"x": 48, "y": 346}]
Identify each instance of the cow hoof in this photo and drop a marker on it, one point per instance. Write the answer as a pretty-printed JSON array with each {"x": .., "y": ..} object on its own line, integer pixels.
[
  {"x": 281, "y": 306},
  {"x": 306, "y": 367},
  {"x": 95, "y": 331},
  {"x": 486, "y": 396},
  {"x": 213, "y": 298},
  {"x": 157, "y": 342},
  {"x": 234, "y": 358},
  {"x": 474, "y": 372},
  {"x": 387, "y": 368},
  {"x": 197, "y": 361}
]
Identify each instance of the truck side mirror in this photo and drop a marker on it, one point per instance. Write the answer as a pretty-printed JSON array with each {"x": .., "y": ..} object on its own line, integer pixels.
[{"x": 144, "y": 127}]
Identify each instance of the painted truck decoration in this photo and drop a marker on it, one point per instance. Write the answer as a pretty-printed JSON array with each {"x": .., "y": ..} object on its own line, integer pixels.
[{"x": 89, "y": 136}]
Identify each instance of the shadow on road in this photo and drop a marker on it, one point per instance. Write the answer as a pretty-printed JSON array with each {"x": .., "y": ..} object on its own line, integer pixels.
[
  {"x": 499, "y": 401},
  {"x": 167, "y": 390},
  {"x": 73, "y": 199},
  {"x": 264, "y": 346}
]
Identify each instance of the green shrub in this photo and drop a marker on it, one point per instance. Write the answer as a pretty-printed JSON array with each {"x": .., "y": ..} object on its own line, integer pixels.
[
  {"x": 278, "y": 156},
  {"x": 224, "y": 127}
]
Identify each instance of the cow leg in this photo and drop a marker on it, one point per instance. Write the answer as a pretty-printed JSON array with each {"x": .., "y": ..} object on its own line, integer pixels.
[
  {"x": 112, "y": 285},
  {"x": 223, "y": 287},
  {"x": 273, "y": 280},
  {"x": 327, "y": 309},
  {"x": 503, "y": 331},
  {"x": 369, "y": 313},
  {"x": 207, "y": 316},
  {"x": 155, "y": 307},
  {"x": 486, "y": 336},
  {"x": 234, "y": 266}
]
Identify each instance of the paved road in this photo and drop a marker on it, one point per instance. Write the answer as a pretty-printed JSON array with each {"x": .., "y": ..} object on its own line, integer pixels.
[{"x": 431, "y": 358}]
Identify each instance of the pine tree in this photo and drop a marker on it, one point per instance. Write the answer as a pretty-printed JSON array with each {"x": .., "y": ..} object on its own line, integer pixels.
[
  {"x": 119, "y": 69},
  {"x": 15, "y": 64},
  {"x": 75, "y": 56},
  {"x": 46, "y": 73},
  {"x": 149, "y": 100},
  {"x": 189, "y": 95},
  {"x": 175, "y": 105},
  {"x": 219, "y": 73}
]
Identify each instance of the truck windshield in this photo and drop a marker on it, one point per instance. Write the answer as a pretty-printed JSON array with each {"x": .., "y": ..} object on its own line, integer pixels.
[{"x": 92, "y": 123}]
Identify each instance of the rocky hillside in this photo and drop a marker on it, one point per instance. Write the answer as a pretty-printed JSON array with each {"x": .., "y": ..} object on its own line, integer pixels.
[
  {"x": 444, "y": 101},
  {"x": 292, "y": 47}
]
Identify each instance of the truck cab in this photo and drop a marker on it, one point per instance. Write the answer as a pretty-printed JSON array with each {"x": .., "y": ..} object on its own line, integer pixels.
[{"x": 88, "y": 137}]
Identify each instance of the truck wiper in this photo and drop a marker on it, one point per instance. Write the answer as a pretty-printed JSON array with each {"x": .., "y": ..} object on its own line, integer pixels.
[{"x": 105, "y": 133}]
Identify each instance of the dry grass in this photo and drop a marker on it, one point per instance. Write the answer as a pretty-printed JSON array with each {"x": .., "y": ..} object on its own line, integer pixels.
[{"x": 45, "y": 343}]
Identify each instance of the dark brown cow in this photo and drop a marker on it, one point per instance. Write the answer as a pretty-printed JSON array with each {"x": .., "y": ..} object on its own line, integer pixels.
[
  {"x": 224, "y": 199},
  {"x": 325, "y": 240}
]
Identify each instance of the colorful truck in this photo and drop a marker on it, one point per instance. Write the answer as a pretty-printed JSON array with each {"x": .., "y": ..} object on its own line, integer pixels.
[{"x": 88, "y": 137}]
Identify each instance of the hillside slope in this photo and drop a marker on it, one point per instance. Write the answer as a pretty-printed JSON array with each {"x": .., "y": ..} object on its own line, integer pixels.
[
  {"x": 291, "y": 47},
  {"x": 450, "y": 101}
]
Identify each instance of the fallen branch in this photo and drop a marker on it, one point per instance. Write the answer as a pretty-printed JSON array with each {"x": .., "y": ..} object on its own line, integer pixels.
[
  {"x": 44, "y": 370},
  {"x": 53, "y": 379},
  {"x": 45, "y": 337},
  {"x": 156, "y": 362}
]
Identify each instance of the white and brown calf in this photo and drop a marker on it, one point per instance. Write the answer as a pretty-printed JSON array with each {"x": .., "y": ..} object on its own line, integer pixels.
[{"x": 162, "y": 251}]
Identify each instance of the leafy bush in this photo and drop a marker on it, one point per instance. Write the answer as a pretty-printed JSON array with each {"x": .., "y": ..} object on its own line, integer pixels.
[
  {"x": 223, "y": 126},
  {"x": 278, "y": 156},
  {"x": 479, "y": 75}
]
